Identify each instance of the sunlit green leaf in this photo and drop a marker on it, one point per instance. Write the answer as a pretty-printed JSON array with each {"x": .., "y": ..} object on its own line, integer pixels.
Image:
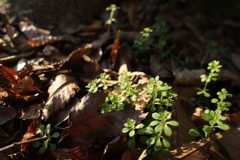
[
  {"x": 131, "y": 133},
  {"x": 167, "y": 130},
  {"x": 173, "y": 123},
  {"x": 166, "y": 142},
  {"x": 125, "y": 130},
  {"x": 151, "y": 141}
]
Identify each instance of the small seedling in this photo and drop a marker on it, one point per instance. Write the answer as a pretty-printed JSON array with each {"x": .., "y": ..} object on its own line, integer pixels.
[
  {"x": 142, "y": 45},
  {"x": 101, "y": 82},
  {"x": 214, "y": 68},
  {"x": 111, "y": 19},
  {"x": 45, "y": 132}
]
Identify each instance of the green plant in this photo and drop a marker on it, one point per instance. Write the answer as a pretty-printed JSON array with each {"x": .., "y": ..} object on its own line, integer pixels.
[
  {"x": 214, "y": 68},
  {"x": 213, "y": 117},
  {"x": 153, "y": 131},
  {"x": 161, "y": 95},
  {"x": 111, "y": 19},
  {"x": 122, "y": 96},
  {"x": 45, "y": 132},
  {"x": 211, "y": 49},
  {"x": 142, "y": 44},
  {"x": 98, "y": 83}
]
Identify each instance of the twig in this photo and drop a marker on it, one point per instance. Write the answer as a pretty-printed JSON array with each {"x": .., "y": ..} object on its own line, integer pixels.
[{"x": 20, "y": 143}]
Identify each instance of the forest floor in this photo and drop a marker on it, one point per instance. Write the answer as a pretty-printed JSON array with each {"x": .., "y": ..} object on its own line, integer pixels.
[{"x": 129, "y": 86}]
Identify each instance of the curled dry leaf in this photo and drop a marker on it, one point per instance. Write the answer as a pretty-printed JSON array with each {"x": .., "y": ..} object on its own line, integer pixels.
[{"x": 61, "y": 90}]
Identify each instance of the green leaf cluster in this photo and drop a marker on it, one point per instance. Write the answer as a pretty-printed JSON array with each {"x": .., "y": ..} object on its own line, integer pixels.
[
  {"x": 45, "y": 132},
  {"x": 153, "y": 134},
  {"x": 101, "y": 82},
  {"x": 155, "y": 129},
  {"x": 123, "y": 95},
  {"x": 214, "y": 68},
  {"x": 161, "y": 95}
]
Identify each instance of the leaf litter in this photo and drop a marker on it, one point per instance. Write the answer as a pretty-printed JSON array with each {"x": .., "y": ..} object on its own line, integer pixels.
[{"x": 47, "y": 84}]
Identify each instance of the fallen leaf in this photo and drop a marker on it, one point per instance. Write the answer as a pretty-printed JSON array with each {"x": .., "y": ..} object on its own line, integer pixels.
[
  {"x": 115, "y": 148},
  {"x": 6, "y": 114},
  {"x": 31, "y": 133},
  {"x": 194, "y": 149},
  {"x": 88, "y": 124},
  {"x": 61, "y": 90},
  {"x": 159, "y": 69},
  {"x": 188, "y": 77}
]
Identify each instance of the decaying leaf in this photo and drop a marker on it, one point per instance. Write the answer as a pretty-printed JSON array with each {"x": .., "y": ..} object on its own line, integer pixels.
[
  {"x": 193, "y": 150},
  {"x": 231, "y": 141},
  {"x": 188, "y": 77},
  {"x": 31, "y": 133},
  {"x": 61, "y": 90},
  {"x": 115, "y": 148},
  {"x": 185, "y": 121},
  {"x": 88, "y": 124},
  {"x": 6, "y": 114},
  {"x": 11, "y": 76}
]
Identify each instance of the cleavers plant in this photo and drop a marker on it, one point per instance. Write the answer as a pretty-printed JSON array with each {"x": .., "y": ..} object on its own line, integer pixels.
[
  {"x": 45, "y": 132},
  {"x": 213, "y": 117}
]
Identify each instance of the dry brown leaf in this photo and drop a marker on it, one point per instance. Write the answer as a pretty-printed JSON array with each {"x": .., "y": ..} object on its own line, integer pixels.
[
  {"x": 180, "y": 114},
  {"x": 157, "y": 68},
  {"x": 31, "y": 133},
  {"x": 30, "y": 31},
  {"x": 115, "y": 148},
  {"x": 61, "y": 90},
  {"x": 131, "y": 154},
  {"x": 31, "y": 112},
  {"x": 193, "y": 150},
  {"x": 6, "y": 114},
  {"x": 231, "y": 141},
  {"x": 188, "y": 77},
  {"x": 88, "y": 124}
]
